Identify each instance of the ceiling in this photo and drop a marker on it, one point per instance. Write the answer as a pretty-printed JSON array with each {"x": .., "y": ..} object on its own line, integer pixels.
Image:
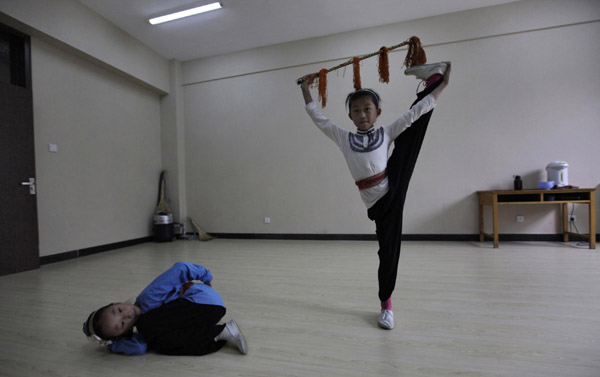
[{"x": 245, "y": 24}]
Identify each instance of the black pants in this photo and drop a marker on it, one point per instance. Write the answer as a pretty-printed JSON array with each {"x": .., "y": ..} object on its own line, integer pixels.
[
  {"x": 387, "y": 211},
  {"x": 182, "y": 327}
]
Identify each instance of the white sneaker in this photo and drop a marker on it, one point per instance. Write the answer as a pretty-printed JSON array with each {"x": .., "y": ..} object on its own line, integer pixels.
[
  {"x": 425, "y": 71},
  {"x": 236, "y": 337},
  {"x": 386, "y": 319}
]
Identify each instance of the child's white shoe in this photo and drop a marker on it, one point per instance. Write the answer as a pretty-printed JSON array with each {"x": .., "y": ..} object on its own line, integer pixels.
[
  {"x": 425, "y": 71},
  {"x": 236, "y": 337},
  {"x": 386, "y": 319}
]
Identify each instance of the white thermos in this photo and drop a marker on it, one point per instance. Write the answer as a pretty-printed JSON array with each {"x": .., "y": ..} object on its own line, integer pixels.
[{"x": 558, "y": 171}]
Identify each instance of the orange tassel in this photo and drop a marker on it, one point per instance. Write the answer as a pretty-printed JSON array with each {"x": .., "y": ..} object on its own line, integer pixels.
[
  {"x": 356, "y": 68},
  {"x": 415, "y": 54},
  {"x": 384, "y": 65},
  {"x": 323, "y": 87}
]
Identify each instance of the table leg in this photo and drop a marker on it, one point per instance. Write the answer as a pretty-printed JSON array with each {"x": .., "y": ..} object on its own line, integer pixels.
[
  {"x": 592, "y": 220},
  {"x": 481, "y": 237},
  {"x": 495, "y": 215},
  {"x": 565, "y": 222}
]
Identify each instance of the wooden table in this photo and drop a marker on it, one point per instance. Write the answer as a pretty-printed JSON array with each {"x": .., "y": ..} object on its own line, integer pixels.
[{"x": 498, "y": 198}]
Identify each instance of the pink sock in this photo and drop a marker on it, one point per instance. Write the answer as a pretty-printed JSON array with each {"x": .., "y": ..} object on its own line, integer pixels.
[
  {"x": 433, "y": 79},
  {"x": 387, "y": 304}
]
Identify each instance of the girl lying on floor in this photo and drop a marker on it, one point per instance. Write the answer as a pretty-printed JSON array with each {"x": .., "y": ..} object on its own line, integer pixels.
[{"x": 173, "y": 316}]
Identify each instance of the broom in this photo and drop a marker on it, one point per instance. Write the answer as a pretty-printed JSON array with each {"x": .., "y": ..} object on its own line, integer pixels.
[
  {"x": 162, "y": 208},
  {"x": 202, "y": 236}
]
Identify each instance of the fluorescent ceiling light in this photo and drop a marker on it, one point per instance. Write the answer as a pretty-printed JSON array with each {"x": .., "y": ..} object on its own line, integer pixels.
[{"x": 184, "y": 13}]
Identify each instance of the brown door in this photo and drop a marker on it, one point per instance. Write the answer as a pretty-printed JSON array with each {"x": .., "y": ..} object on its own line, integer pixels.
[{"x": 18, "y": 207}]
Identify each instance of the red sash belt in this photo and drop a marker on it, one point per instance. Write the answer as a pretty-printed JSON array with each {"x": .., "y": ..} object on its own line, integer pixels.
[
  {"x": 371, "y": 181},
  {"x": 185, "y": 287}
]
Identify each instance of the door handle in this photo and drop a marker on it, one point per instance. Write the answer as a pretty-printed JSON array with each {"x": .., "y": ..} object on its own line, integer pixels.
[{"x": 31, "y": 184}]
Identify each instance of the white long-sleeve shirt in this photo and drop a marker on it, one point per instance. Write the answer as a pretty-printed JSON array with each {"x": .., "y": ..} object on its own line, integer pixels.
[{"x": 366, "y": 152}]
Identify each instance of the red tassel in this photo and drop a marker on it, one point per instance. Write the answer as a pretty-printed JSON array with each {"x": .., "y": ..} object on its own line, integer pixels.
[
  {"x": 415, "y": 54},
  {"x": 384, "y": 65},
  {"x": 323, "y": 87},
  {"x": 356, "y": 68}
]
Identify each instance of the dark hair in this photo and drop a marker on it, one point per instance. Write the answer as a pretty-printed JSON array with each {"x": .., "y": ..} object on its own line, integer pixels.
[
  {"x": 96, "y": 325},
  {"x": 95, "y": 328},
  {"x": 363, "y": 93}
]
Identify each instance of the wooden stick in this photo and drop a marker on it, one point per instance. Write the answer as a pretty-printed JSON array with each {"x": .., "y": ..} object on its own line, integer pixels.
[{"x": 350, "y": 61}]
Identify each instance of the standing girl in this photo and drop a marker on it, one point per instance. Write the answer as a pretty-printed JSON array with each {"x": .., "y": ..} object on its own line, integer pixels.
[{"x": 383, "y": 182}]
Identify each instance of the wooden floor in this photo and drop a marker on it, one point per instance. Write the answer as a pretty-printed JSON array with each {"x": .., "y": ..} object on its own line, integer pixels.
[{"x": 309, "y": 308}]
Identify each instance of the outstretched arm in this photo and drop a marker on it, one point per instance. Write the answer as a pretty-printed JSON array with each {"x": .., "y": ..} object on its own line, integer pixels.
[
  {"x": 306, "y": 81},
  {"x": 438, "y": 91},
  {"x": 136, "y": 345}
]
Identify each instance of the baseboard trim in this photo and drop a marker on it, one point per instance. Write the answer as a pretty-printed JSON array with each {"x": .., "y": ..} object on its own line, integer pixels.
[
  {"x": 296, "y": 236},
  {"x": 405, "y": 237},
  {"x": 342, "y": 237},
  {"x": 311, "y": 237},
  {"x": 48, "y": 259}
]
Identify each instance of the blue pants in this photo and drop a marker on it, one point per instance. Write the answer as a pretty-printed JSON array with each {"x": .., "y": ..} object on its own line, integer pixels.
[{"x": 387, "y": 211}]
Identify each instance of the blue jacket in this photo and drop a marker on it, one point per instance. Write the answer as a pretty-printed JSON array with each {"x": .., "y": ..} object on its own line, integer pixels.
[{"x": 164, "y": 289}]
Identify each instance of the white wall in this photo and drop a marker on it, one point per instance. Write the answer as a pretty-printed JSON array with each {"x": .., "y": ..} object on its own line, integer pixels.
[
  {"x": 97, "y": 96},
  {"x": 172, "y": 143},
  {"x": 101, "y": 186},
  {"x": 523, "y": 93}
]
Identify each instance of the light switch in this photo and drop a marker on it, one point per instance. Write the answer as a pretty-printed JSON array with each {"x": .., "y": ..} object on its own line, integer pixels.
[{"x": 53, "y": 148}]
